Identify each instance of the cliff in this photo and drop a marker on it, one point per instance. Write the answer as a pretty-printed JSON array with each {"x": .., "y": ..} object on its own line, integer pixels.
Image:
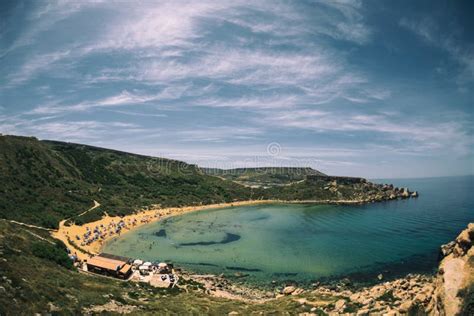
[{"x": 454, "y": 284}]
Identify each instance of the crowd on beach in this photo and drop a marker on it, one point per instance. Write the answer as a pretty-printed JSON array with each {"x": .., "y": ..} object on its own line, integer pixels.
[
  {"x": 93, "y": 235},
  {"x": 102, "y": 232}
]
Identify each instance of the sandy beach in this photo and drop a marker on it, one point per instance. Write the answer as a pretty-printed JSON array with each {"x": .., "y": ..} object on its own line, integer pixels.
[{"x": 88, "y": 239}]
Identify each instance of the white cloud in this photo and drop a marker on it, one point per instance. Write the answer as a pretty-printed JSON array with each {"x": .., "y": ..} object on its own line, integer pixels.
[
  {"x": 75, "y": 131},
  {"x": 250, "y": 102},
  {"x": 345, "y": 21},
  {"x": 218, "y": 134},
  {"x": 123, "y": 98},
  {"x": 429, "y": 31},
  {"x": 420, "y": 135},
  {"x": 44, "y": 16},
  {"x": 35, "y": 65}
]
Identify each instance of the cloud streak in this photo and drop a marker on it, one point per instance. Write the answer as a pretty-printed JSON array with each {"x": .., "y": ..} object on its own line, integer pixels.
[{"x": 325, "y": 79}]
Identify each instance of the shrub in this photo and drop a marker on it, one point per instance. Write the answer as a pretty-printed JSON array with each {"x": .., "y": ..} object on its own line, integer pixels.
[{"x": 55, "y": 253}]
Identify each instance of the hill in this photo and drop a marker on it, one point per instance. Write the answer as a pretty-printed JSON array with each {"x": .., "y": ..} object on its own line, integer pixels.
[
  {"x": 43, "y": 182},
  {"x": 263, "y": 177}
]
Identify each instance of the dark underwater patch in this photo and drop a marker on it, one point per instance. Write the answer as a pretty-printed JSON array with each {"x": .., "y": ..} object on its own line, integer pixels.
[
  {"x": 243, "y": 269},
  {"x": 284, "y": 274},
  {"x": 201, "y": 264},
  {"x": 228, "y": 239},
  {"x": 161, "y": 233}
]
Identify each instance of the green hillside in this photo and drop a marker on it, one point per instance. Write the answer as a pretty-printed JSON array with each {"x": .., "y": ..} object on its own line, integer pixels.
[
  {"x": 33, "y": 282},
  {"x": 43, "y": 182},
  {"x": 263, "y": 177}
]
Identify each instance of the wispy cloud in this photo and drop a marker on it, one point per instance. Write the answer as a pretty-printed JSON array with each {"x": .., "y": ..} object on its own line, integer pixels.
[
  {"x": 433, "y": 34},
  {"x": 218, "y": 134},
  {"x": 123, "y": 98},
  {"x": 223, "y": 79},
  {"x": 349, "y": 21},
  {"x": 420, "y": 134},
  {"x": 54, "y": 128},
  {"x": 35, "y": 65}
]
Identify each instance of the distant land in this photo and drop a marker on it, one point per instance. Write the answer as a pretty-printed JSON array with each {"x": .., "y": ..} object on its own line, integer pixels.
[{"x": 45, "y": 182}]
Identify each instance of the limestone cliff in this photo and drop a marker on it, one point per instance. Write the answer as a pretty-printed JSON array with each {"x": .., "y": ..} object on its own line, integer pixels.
[{"x": 454, "y": 283}]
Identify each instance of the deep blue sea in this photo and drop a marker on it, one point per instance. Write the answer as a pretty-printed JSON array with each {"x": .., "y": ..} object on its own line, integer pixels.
[{"x": 310, "y": 242}]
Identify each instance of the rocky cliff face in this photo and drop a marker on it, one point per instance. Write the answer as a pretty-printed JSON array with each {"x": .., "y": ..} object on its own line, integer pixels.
[{"x": 454, "y": 283}]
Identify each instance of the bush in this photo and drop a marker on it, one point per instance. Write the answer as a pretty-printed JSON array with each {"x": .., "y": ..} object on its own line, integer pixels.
[
  {"x": 468, "y": 301},
  {"x": 56, "y": 253}
]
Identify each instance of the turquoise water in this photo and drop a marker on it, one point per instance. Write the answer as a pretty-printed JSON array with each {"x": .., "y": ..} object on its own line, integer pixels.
[{"x": 308, "y": 242}]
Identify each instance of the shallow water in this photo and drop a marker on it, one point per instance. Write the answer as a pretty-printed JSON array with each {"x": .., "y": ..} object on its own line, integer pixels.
[{"x": 308, "y": 242}]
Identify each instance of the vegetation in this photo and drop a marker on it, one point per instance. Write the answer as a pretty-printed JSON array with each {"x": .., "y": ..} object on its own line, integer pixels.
[
  {"x": 31, "y": 284},
  {"x": 468, "y": 301},
  {"x": 54, "y": 252},
  {"x": 264, "y": 177},
  {"x": 43, "y": 182}
]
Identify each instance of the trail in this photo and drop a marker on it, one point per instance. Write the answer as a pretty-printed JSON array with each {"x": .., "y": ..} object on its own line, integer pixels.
[
  {"x": 28, "y": 225},
  {"x": 96, "y": 205},
  {"x": 39, "y": 237}
]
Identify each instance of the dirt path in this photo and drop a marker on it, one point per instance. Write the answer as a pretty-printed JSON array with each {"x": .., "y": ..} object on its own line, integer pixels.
[
  {"x": 39, "y": 237},
  {"x": 28, "y": 225},
  {"x": 96, "y": 205}
]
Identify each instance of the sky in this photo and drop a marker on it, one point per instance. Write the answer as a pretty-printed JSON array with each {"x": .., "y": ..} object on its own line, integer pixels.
[{"x": 378, "y": 89}]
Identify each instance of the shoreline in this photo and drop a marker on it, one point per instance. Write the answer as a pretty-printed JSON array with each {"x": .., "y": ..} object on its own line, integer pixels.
[
  {"x": 69, "y": 234},
  {"x": 391, "y": 295}
]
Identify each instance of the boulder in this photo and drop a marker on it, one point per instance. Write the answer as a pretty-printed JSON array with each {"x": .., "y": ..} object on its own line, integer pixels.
[
  {"x": 464, "y": 241},
  {"x": 414, "y": 194},
  {"x": 340, "y": 305},
  {"x": 298, "y": 291},
  {"x": 420, "y": 297},
  {"x": 354, "y": 297},
  {"x": 288, "y": 290},
  {"x": 428, "y": 290},
  {"x": 367, "y": 301},
  {"x": 447, "y": 249},
  {"x": 405, "y": 193},
  {"x": 405, "y": 306},
  {"x": 363, "y": 312}
]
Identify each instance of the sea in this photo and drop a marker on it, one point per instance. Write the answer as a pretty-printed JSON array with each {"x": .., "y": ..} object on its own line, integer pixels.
[{"x": 306, "y": 243}]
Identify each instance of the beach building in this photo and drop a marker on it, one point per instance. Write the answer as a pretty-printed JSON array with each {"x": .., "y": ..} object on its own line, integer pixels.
[{"x": 111, "y": 265}]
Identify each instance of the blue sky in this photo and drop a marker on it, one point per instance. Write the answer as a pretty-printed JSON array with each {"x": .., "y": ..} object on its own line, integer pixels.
[{"x": 374, "y": 89}]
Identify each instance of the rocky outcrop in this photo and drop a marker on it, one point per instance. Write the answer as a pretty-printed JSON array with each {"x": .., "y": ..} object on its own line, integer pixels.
[
  {"x": 359, "y": 190},
  {"x": 440, "y": 295},
  {"x": 113, "y": 306},
  {"x": 455, "y": 275},
  {"x": 443, "y": 294}
]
